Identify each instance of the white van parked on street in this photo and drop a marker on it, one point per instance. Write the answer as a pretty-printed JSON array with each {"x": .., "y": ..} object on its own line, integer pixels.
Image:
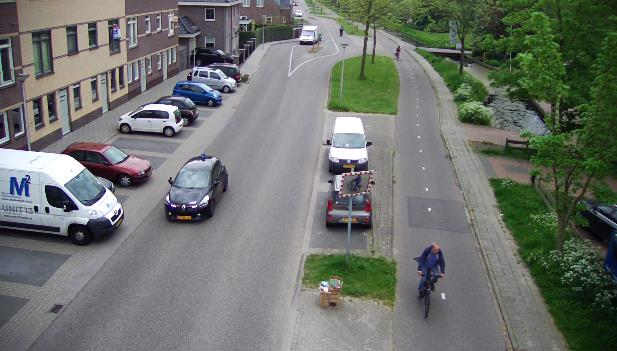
[
  {"x": 53, "y": 193},
  {"x": 309, "y": 35},
  {"x": 348, "y": 146}
]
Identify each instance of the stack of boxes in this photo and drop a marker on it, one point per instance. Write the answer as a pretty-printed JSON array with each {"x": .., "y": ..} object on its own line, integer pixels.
[{"x": 330, "y": 292}]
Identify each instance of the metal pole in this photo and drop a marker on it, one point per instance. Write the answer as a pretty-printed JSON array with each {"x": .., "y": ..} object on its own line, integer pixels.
[
  {"x": 21, "y": 77},
  {"x": 340, "y": 97},
  {"x": 263, "y": 31},
  {"x": 348, "y": 242}
]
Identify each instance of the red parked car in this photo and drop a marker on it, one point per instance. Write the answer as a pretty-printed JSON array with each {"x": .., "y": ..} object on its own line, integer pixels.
[{"x": 109, "y": 162}]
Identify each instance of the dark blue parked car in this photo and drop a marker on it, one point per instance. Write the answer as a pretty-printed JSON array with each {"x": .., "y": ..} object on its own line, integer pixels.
[{"x": 198, "y": 92}]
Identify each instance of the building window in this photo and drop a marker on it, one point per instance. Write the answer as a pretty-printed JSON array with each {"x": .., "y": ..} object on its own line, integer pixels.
[
  {"x": 37, "y": 113},
  {"x": 129, "y": 73},
  {"x": 246, "y": 3},
  {"x": 121, "y": 76},
  {"x": 93, "y": 40},
  {"x": 131, "y": 28},
  {"x": 94, "y": 88},
  {"x": 159, "y": 22},
  {"x": 6, "y": 62},
  {"x": 209, "y": 41},
  {"x": 4, "y": 127},
  {"x": 71, "y": 40},
  {"x": 149, "y": 64},
  {"x": 170, "y": 20},
  {"x": 41, "y": 47},
  {"x": 259, "y": 3},
  {"x": 268, "y": 20},
  {"x": 147, "y": 20},
  {"x": 135, "y": 71},
  {"x": 17, "y": 118},
  {"x": 210, "y": 14},
  {"x": 168, "y": 57},
  {"x": 173, "y": 54},
  {"x": 112, "y": 80},
  {"x": 158, "y": 61},
  {"x": 51, "y": 107},
  {"x": 113, "y": 27},
  {"x": 77, "y": 96}
]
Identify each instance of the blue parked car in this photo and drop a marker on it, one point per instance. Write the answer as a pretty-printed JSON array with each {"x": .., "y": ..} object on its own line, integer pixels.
[{"x": 198, "y": 92}]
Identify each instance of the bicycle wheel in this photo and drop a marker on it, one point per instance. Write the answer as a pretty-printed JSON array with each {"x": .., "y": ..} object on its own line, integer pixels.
[{"x": 427, "y": 303}]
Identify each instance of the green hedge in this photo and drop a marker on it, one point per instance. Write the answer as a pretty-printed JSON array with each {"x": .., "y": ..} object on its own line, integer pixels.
[
  {"x": 245, "y": 36},
  {"x": 273, "y": 33}
]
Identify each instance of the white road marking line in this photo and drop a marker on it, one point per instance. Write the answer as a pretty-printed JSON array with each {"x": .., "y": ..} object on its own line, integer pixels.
[
  {"x": 417, "y": 106},
  {"x": 425, "y": 189},
  {"x": 417, "y": 124},
  {"x": 420, "y": 150},
  {"x": 418, "y": 137},
  {"x": 314, "y": 58},
  {"x": 423, "y": 168},
  {"x": 443, "y": 296},
  {"x": 429, "y": 209}
]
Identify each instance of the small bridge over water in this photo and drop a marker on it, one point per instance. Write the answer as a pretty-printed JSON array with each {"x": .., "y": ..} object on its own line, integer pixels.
[{"x": 451, "y": 53}]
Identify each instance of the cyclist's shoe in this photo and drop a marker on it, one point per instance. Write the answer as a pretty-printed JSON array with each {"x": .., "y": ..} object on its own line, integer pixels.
[
  {"x": 433, "y": 286},
  {"x": 421, "y": 294}
]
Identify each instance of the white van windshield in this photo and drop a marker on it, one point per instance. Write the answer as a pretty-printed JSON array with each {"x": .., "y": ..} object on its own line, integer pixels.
[
  {"x": 86, "y": 188},
  {"x": 308, "y": 33},
  {"x": 348, "y": 140}
]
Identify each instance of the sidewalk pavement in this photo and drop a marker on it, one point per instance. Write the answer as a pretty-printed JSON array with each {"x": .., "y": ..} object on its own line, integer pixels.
[
  {"x": 528, "y": 322},
  {"x": 104, "y": 128}
]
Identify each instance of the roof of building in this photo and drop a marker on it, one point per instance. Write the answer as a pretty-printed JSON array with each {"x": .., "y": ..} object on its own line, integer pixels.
[
  {"x": 198, "y": 2},
  {"x": 187, "y": 27}
]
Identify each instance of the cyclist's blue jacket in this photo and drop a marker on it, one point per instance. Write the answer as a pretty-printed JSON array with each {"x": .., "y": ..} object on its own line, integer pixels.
[{"x": 424, "y": 260}]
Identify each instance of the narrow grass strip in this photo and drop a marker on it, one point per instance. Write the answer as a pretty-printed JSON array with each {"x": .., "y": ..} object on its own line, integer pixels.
[{"x": 378, "y": 93}]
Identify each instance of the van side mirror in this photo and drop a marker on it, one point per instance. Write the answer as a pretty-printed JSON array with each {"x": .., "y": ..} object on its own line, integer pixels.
[
  {"x": 369, "y": 143},
  {"x": 329, "y": 142},
  {"x": 170, "y": 181}
]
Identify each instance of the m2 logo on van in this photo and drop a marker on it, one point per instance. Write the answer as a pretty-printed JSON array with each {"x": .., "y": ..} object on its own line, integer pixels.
[{"x": 21, "y": 188}]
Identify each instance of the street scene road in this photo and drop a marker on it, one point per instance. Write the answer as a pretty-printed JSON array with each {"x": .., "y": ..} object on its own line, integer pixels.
[{"x": 233, "y": 282}]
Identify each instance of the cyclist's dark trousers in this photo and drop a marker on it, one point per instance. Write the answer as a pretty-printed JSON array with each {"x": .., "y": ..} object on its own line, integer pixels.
[{"x": 425, "y": 271}]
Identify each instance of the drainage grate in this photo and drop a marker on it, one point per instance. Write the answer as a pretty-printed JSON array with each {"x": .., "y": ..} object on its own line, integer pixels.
[{"x": 56, "y": 308}]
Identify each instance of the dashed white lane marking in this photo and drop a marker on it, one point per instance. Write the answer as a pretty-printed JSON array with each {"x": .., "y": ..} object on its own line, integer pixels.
[
  {"x": 425, "y": 189},
  {"x": 443, "y": 296},
  {"x": 420, "y": 150},
  {"x": 418, "y": 137},
  {"x": 417, "y": 124},
  {"x": 429, "y": 209},
  {"x": 417, "y": 106},
  {"x": 423, "y": 168}
]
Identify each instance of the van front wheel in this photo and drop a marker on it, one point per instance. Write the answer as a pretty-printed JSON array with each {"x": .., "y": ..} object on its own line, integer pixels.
[{"x": 80, "y": 235}]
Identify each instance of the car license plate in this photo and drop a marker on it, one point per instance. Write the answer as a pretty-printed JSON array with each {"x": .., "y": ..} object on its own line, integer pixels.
[
  {"x": 119, "y": 222},
  {"x": 349, "y": 166},
  {"x": 184, "y": 218},
  {"x": 346, "y": 219}
]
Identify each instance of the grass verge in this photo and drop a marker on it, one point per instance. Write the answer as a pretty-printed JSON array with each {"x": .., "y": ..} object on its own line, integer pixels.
[
  {"x": 449, "y": 72},
  {"x": 584, "y": 326},
  {"x": 349, "y": 27},
  {"x": 367, "y": 277},
  {"x": 378, "y": 93}
]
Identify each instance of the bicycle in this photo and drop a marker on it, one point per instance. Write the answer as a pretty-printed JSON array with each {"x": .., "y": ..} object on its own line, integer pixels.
[{"x": 429, "y": 285}]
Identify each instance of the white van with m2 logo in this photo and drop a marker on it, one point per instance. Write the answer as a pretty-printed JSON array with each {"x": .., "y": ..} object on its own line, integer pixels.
[{"x": 53, "y": 193}]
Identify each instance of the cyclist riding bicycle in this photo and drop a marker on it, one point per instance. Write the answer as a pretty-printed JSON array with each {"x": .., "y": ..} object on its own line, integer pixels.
[
  {"x": 398, "y": 52},
  {"x": 431, "y": 260}
]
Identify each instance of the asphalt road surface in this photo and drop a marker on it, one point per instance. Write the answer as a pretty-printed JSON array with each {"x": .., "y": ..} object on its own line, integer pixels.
[{"x": 229, "y": 283}]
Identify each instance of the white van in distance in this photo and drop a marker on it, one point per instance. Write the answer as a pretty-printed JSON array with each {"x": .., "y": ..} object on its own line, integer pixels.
[
  {"x": 309, "y": 35},
  {"x": 348, "y": 146},
  {"x": 53, "y": 193}
]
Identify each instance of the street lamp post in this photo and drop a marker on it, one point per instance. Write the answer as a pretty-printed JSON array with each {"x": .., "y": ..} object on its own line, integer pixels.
[
  {"x": 21, "y": 78},
  {"x": 340, "y": 97},
  {"x": 263, "y": 32}
]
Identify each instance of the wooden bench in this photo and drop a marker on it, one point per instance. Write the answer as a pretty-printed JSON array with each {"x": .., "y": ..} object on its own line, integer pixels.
[{"x": 510, "y": 142}]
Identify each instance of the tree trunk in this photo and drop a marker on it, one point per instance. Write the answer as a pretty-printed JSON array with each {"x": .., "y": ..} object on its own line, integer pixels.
[
  {"x": 562, "y": 223},
  {"x": 367, "y": 26},
  {"x": 462, "y": 64},
  {"x": 374, "y": 40}
]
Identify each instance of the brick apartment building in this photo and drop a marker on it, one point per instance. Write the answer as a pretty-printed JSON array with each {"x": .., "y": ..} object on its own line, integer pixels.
[
  {"x": 267, "y": 11},
  {"x": 77, "y": 56}
]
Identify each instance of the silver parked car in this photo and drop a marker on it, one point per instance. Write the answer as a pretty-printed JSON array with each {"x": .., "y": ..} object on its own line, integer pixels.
[{"x": 214, "y": 78}]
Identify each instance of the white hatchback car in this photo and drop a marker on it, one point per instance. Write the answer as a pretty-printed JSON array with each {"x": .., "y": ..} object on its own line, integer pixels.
[
  {"x": 298, "y": 13},
  {"x": 156, "y": 118}
]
